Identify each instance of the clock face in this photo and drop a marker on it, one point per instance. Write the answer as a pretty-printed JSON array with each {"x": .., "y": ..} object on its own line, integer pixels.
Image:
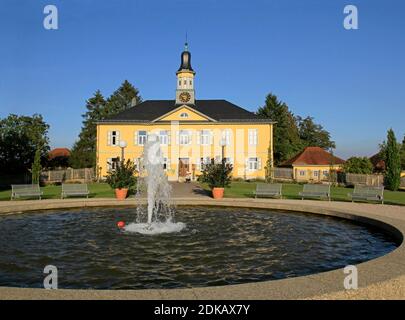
[{"x": 184, "y": 97}]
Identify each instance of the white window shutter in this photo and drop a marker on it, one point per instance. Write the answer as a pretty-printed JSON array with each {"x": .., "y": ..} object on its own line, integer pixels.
[
  {"x": 256, "y": 137},
  {"x": 169, "y": 137},
  {"x": 211, "y": 138},
  {"x": 109, "y": 138},
  {"x": 198, "y": 137},
  {"x": 177, "y": 137},
  {"x": 135, "y": 138},
  {"x": 259, "y": 163},
  {"x": 247, "y": 163},
  {"x": 117, "y": 139}
]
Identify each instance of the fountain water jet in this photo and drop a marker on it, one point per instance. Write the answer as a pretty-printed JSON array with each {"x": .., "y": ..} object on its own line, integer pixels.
[{"x": 158, "y": 216}]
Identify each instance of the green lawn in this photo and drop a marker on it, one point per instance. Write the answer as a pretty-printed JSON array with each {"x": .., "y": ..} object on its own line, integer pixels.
[
  {"x": 97, "y": 190},
  {"x": 237, "y": 190},
  {"x": 290, "y": 191}
]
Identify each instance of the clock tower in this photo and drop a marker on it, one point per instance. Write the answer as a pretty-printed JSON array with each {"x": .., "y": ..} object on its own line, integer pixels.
[{"x": 185, "y": 80}]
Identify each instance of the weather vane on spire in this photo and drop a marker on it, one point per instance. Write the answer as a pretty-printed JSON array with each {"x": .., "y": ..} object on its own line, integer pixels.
[{"x": 186, "y": 44}]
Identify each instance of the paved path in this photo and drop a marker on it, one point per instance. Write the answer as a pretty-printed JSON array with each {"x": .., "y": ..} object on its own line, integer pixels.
[{"x": 187, "y": 190}]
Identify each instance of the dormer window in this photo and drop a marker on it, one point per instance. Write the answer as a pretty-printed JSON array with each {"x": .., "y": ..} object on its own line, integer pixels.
[{"x": 184, "y": 115}]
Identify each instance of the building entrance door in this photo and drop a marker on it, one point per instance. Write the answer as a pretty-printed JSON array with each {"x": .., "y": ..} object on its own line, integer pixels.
[{"x": 184, "y": 167}]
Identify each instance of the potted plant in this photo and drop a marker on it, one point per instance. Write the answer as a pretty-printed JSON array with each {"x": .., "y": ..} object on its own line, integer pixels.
[
  {"x": 122, "y": 179},
  {"x": 217, "y": 176}
]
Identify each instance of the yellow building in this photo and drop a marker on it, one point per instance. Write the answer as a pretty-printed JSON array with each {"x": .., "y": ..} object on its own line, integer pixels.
[
  {"x": 313, "y": 164},
  {"x": 191, "y": 133}
]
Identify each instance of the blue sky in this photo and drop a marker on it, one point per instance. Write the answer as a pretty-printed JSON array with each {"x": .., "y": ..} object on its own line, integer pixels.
[{"x": 352, "y": 82}]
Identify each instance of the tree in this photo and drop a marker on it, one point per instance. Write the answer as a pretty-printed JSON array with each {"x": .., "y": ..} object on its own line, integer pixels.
[
  {"x": 123, "y": 98},
  {"x": 392, "y": 162},
  {"x": 21, "y": 137},
  {"x": 83, "y": 154},
  {"x": 36, "y": 166},
  {"x": 286, "y": 138},
  {"x": 403, "y": 154},
  {"x": 312, "y": 134},
  {"x": 358, "y": 165}
]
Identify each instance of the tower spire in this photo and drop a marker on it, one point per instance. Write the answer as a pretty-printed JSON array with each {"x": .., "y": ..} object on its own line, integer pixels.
[{"x": 185, "y": 79}]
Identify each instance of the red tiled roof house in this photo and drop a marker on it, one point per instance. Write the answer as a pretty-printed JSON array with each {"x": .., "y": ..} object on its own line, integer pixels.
[{"x": 313, "y": 164}]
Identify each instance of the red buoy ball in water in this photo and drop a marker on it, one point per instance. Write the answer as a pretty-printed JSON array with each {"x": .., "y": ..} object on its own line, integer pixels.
[{"x": 121, "y": 224}]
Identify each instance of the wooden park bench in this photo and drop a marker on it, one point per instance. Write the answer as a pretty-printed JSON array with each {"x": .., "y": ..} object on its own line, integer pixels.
[
  {"x": 315, "y": 191},
  {"x": 25, "y": 190},
  {"x": 74, "y": 189},
  {"x": 367, "y": 193},
  {"x": 272, "y": 190}
]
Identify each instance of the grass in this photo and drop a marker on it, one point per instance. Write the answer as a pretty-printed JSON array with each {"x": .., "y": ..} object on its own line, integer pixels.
[
  {"x": 236, "y": 190},
  {"x": 291, "y": 191},
  {"x": 97, "y": 190}
]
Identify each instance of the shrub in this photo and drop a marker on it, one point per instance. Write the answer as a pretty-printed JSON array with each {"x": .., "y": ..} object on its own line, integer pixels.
[
  {"x": 217, "y": 175},
  {"x": 358, "y": 165},
  {"x": 123, "y": 176}
]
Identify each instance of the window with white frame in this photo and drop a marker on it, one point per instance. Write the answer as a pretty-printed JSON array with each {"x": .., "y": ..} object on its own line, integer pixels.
[
  {"x": 142, "y": 137},
  {"x": 253, "y": 164},
  {"x": 204, "y": 161},
  {"x": 302, "y": 173},
  {"x": 166, "y": 164},
  {"x": 184, "y": 115},
  {"x": 226, "y": 137},
  {"x": 112, "y": 164},
  {"x": 205, "y": 137},
  {"x": 138, "y": 162},
  {"x": 252, "y": 137},
  {"x": 164, "y": 137},
  {"x": 113, "y": 138},
  {"x": 316, "y": 173},
  {"x": 184, "y": 137}
]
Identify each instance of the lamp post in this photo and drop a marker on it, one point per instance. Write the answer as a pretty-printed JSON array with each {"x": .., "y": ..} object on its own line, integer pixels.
[
  {"x": 223, "y": 144},
  {"x": 122, "y": 145}
]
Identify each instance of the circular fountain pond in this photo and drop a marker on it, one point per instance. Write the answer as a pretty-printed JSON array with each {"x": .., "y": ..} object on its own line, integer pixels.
[{"x": 217, "y": 246}]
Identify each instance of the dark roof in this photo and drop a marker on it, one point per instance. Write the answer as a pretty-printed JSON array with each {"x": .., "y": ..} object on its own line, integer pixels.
[
  {"x": 313, "y": 156},
  {"x": 378, "y": 162},
  {"x": 219, "y": 110}
]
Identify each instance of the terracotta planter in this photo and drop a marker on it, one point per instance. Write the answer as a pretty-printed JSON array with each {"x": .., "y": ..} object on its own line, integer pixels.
[
  {"x": 218, "y": 193},
  {"x": 121, "y": 194}
]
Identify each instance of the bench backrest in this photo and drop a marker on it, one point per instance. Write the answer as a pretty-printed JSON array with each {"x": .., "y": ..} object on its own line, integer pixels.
[
  {"x": 269, "y": 187},
  {"x": 317, "y": 188},
  {"x": 369, "y": 191},
  {"x": 25, "y": 188},
  {"x": 75, "y": 187}
]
